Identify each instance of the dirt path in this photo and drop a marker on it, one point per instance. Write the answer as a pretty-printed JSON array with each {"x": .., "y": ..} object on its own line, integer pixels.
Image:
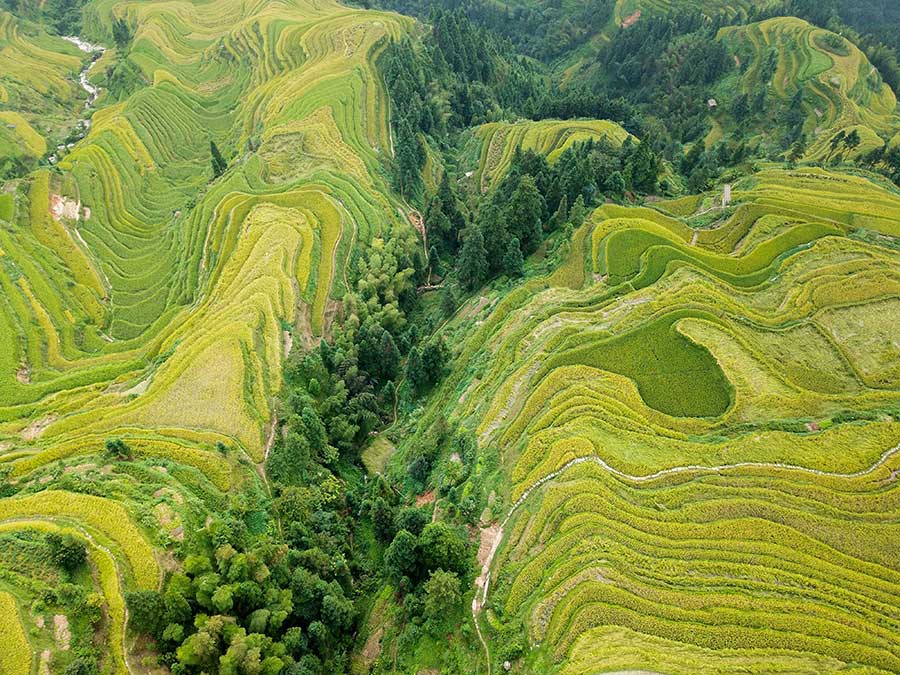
[{"x": 485, "y": 576}]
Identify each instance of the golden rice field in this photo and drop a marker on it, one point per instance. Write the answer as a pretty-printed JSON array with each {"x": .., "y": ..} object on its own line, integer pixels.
[
  {"x": 15, "y": 657},
  {"x": 142, "y": 299},
  {"x": 702, "y": 435}
]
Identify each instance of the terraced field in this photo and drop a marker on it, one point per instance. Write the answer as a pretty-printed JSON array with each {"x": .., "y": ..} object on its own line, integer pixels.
[
  {"x": 842, "y": 91},
  {"x": 702, "y": 436},
  {"x": 629, "y": 11},
  {"x": 497, "y": 142},
  {"x": 146, "y": 301}
]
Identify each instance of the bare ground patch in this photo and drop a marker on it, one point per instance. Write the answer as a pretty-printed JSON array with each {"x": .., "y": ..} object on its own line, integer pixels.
[
  {"x": 61, "y": 631},
  {"x": 36, "y": 428},
  {"x": 631, "y": 19},
  {"x": 425, "y": 498}
]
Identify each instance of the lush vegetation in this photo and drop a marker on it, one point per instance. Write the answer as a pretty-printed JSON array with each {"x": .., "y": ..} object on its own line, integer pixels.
[{"x": 561, "y": 334}]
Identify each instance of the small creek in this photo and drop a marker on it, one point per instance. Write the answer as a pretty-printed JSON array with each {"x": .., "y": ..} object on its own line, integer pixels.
[
  {"x": 97, "y": 52},
  {"x": 92, "y": 92}
]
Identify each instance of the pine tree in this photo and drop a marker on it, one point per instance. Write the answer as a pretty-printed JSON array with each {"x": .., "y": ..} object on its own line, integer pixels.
[
  {"x": 473, "y": 264},
  {"x": 513, "y": 264},
  {"x": 523, "y": 215},
  {"x": 494, "y": 230},
  {"x": 562, "y": 212},
  {"x": 579, "y": 212},
  {"x": 615, "y": 184},
  {"x": 389, "y": 355},
  {"x": 441, "y": 234},
  {"x": 450, "y": 207},
  {"x": 643, "y": 167},
  {"x": 218, "y": 162}
]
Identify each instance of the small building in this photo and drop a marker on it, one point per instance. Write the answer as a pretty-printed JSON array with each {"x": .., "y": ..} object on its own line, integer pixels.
[{"x": 711, "y": 103}]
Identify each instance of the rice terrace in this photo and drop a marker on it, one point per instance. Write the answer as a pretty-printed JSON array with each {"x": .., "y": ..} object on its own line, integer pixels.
[{"x": 433, "y": 337}]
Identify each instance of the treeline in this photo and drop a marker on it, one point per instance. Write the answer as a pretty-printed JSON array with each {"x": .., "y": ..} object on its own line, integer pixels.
[
  {"x": 62, "y": 17},
  {"x": 464, "y": 75},
  {"x": 461, "y": 76},
  {"x": 543, "y": 29},
  {"x": 533, "y": 200},
  {"x": 666, "y": 66},
  {"x": 536, "y": 198}
]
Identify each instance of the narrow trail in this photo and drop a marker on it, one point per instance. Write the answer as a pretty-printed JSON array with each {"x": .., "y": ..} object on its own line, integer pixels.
[{"x": 483, "y": 587}]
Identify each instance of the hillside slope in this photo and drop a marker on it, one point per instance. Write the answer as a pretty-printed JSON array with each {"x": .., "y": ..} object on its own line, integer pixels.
[
  {"x": 681, "y": 431},
  {"x": 838, "y": 89},
  {"x": 146, "y": 299}
]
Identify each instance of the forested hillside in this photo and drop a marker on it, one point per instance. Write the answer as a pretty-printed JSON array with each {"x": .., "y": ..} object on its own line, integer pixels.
[{"x": 418, "y": 336}]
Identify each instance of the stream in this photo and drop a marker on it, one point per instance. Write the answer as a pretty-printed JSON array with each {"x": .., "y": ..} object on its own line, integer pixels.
[
  {"x": 92, "y": 92},
  {"x": 97, "y": 52}
]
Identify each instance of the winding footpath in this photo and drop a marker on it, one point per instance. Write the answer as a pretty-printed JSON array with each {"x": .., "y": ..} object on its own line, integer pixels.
[{"x": 483, "y": 581}]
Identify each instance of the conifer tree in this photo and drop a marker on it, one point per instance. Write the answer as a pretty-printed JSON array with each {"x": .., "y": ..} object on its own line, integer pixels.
[
  {"x": 473, "y": 264},
  {"x": 562, "y": 212},
  {"x": 513, "y": 264},
  {"x": 218, "y": 162},
  {"x": 524, "y": 215}
]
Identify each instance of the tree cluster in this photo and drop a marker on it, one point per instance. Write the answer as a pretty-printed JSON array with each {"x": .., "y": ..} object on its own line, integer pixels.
[
  {"x": 62, "y": 17},
  {"x": 535, "y": 198},
  {"x": 666, "y": 66}
]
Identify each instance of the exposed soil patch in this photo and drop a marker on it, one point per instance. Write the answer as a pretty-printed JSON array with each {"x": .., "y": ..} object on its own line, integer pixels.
[
  {"x": 270, "y": 437},
  {"x": 372, "y": 649},
  {"x": 169, "y": 519},
  {"x": 631, "y": 19},
  {"x": 425, "y": 498},
  {"x": 81, "y": 468},
  {"x": 168, "y": 562},
  {"x": 61, "y": 631},
  {"x": 415, "y": 218},
  {"x": 489, "y": 540},
  {"x": 463, "y": 396},
  {"x": 23, "y": 375},
  {"x": 44, "y": 667},
  {"x": 64, "y": 207},
  {"x": 138, "y": 389},
  {"x": 36, "y": 428},
  {"x": 168, "y": 492},
  {"x": 474, "y": 309}
]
